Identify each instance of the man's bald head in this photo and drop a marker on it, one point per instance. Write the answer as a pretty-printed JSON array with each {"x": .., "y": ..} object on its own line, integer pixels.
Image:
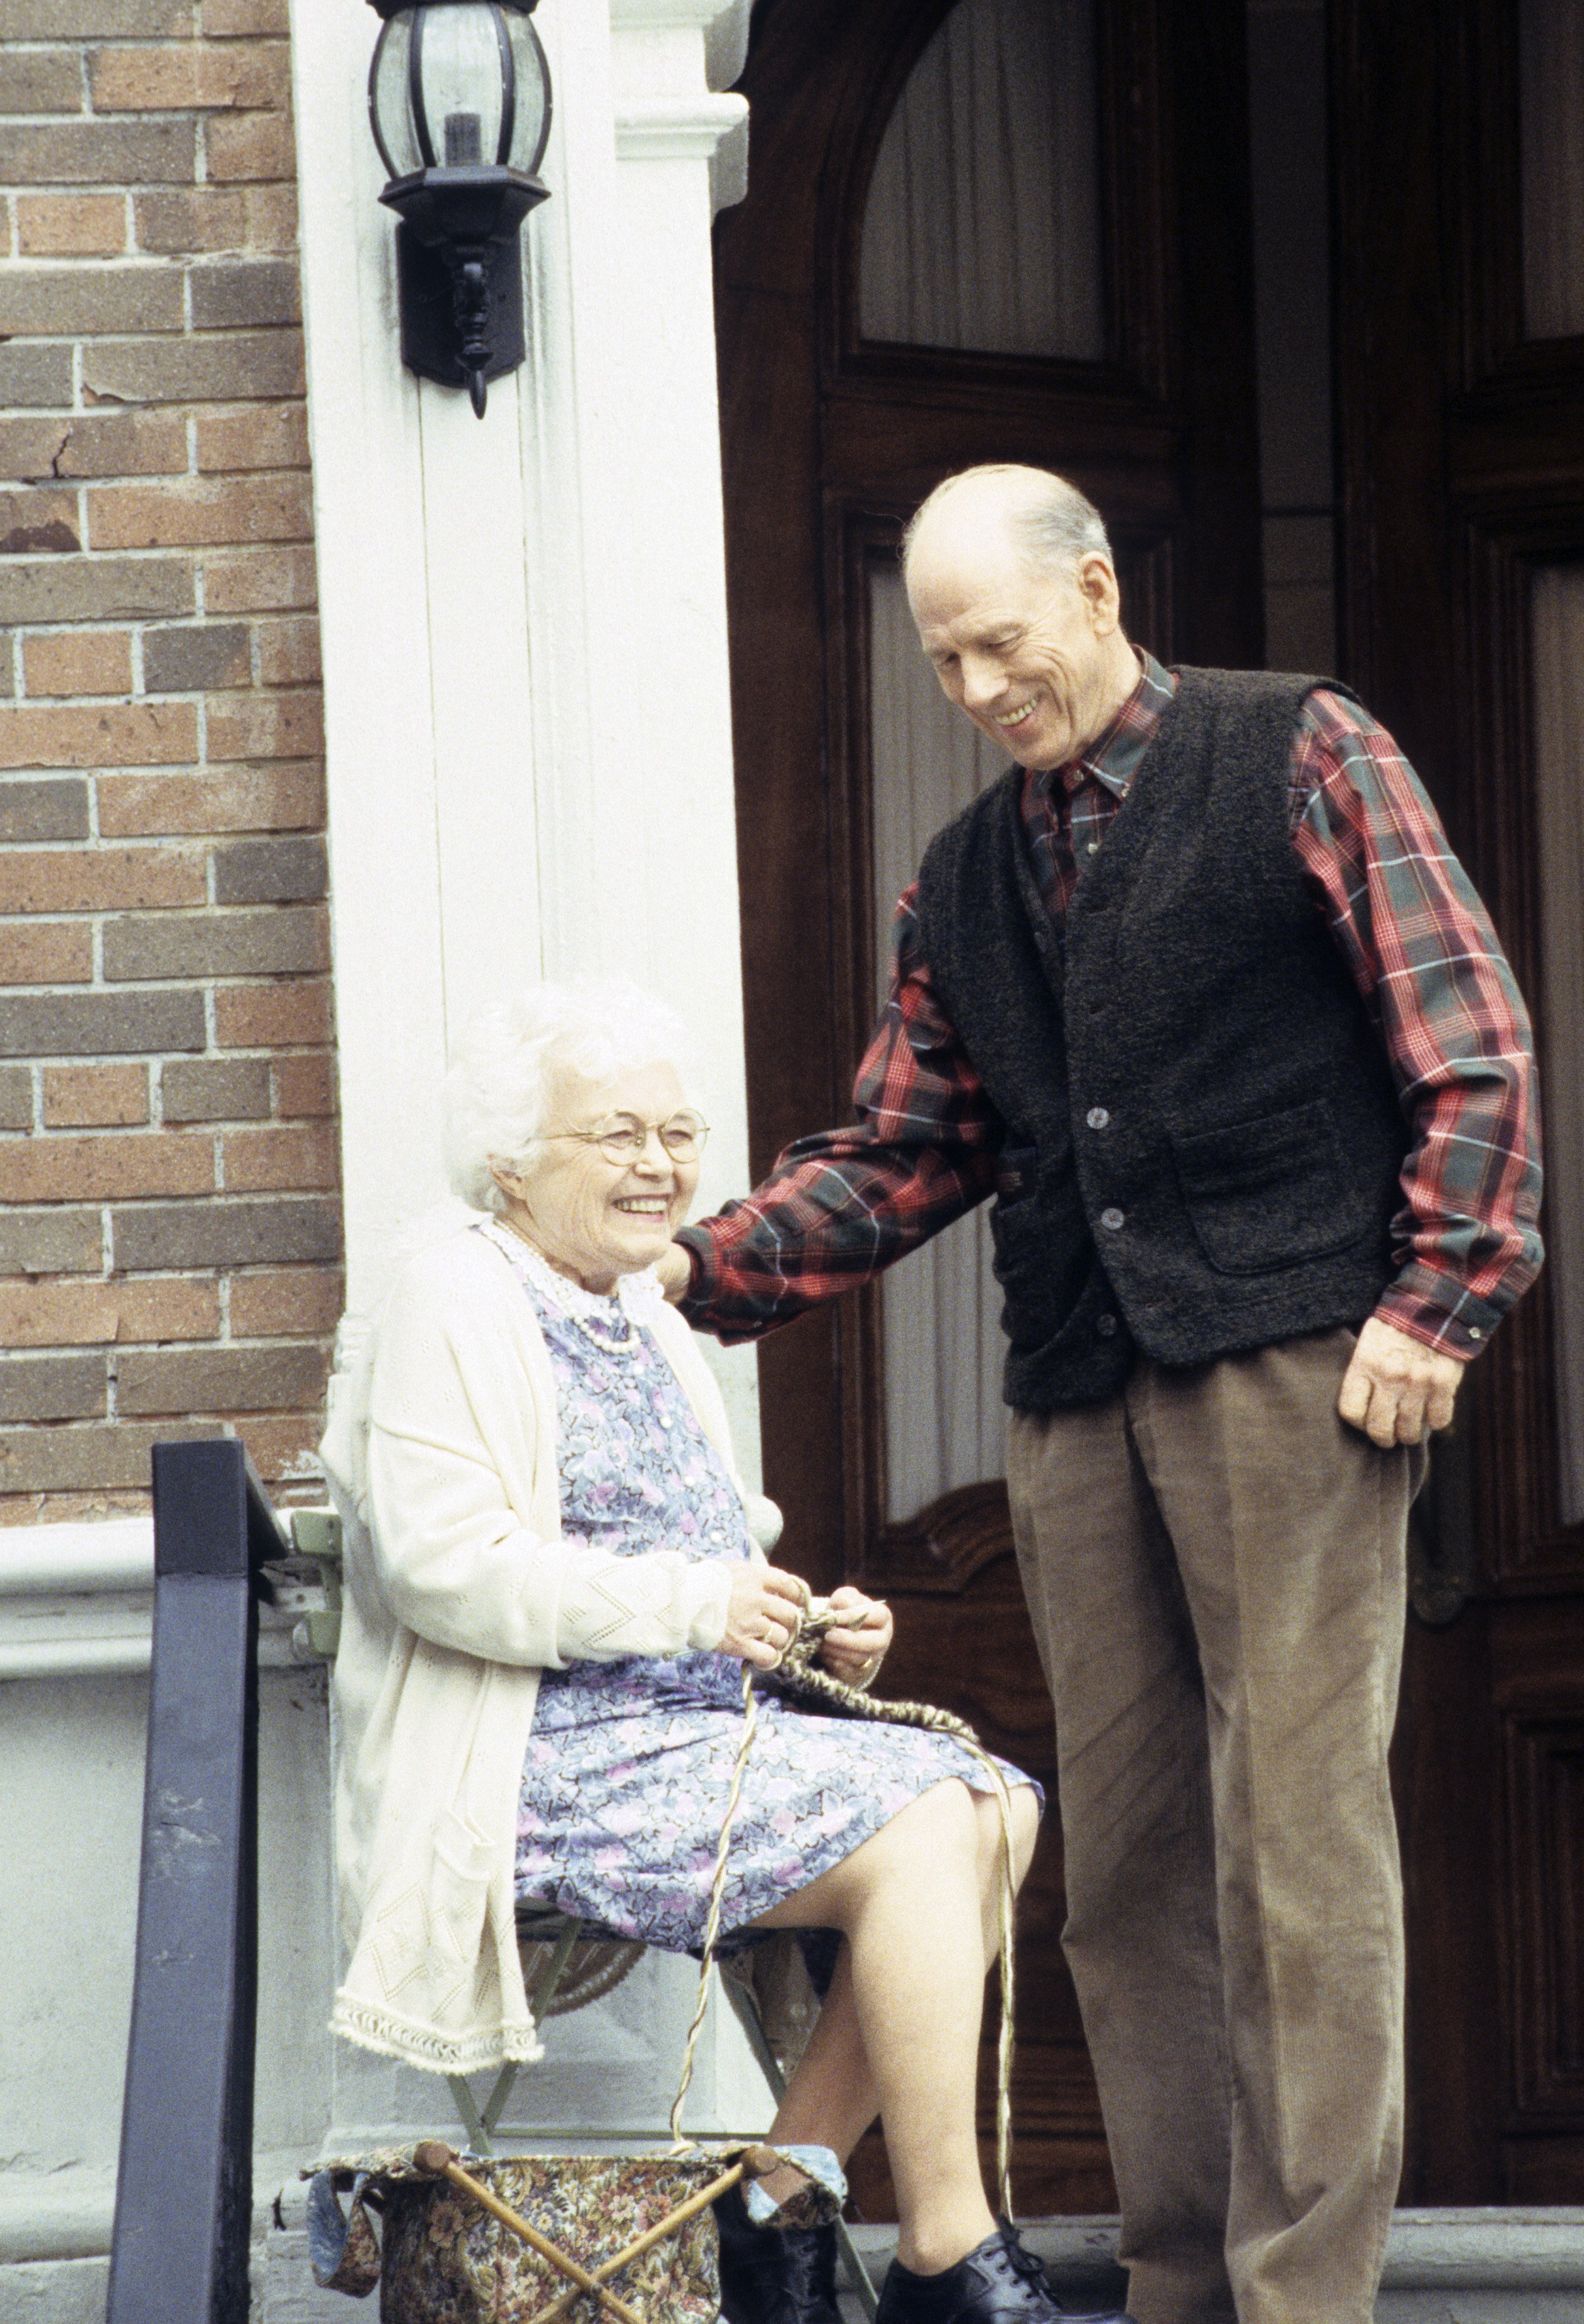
[
  {"x": 1011, "y": 583},
  {"x": 1051, "y": 522}
]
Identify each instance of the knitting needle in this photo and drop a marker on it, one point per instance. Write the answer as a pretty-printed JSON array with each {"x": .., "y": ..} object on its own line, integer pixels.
[
  {"x": 433, "y": 2157},
  {"x": 757, "y": 2162}
]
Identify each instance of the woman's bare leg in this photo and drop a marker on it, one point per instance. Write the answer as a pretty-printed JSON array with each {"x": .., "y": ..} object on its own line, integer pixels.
[{"x": 901, "y": 2026}]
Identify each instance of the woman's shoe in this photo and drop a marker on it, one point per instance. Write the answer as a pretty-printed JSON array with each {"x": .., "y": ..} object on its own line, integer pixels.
[
  {"x": 774, "y": 2275},
  {"x": 997, "y": 2283}
]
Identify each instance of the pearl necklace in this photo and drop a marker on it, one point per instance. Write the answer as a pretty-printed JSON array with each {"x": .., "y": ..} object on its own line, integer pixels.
[{"x": 590, "y": 1311}]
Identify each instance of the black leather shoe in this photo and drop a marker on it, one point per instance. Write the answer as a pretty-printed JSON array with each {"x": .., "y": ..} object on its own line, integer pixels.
[
  {"x": 774, "y": 2275},
  {"x": 998, "y": 2282}
]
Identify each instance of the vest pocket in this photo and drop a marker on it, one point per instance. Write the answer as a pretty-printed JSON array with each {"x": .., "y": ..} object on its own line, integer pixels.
[{"x": 1272, "y": 1192}]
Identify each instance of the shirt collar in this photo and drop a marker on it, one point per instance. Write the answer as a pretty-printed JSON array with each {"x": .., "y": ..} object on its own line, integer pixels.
[{"x": 1113, "y": 759}]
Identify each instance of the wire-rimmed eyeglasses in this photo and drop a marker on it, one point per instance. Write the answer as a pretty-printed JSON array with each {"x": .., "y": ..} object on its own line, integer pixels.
[{"x": 623, "y": 1138}]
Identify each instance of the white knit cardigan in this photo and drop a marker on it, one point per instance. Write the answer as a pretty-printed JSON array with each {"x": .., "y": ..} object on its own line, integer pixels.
[{"x": 458, "y": 1590}]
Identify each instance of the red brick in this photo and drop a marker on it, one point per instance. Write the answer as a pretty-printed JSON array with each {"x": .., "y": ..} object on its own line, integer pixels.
[
  {"x": 48, "y": 952},
  {"x": 76, "y": 1314},
  {"x": 227, "y": 18},
  {"x": 198, "y": 512},
  {"x": 305, "y": 1085},
  {"x": 101, "y": 880},
  {"x": 48, "y": 589},
  {"x": 93, "y": 20},
  {"x": 178, "y": 224},
  {"x": 73, "y": 1459},
  {"x": 123, "y": 444},
  {"x": 289, "y": 651},
  {"x": 148, "y": 79},
  {"x": 71, "y": 226},
  {"x": 271, "y": 216},
  {"x": 201, "y": 367},
  {"x": 251, "y": 293},
  {"x": 41, "y": 81},
  {"x": 30, "y": 446},
  {"x": 32, "y": 522},
  {"x": 99, "y": 1169},
  {"x": 72, "y": 1509},
  {"x": 273, "y": 1016},
  {"x": 223, "y": 1379},
  {"x": 284, "y": 726},
  {"x": 284, "y": 1448},
  {"x": 292, "y": 941},
  {"x": 191, "y": 657},
  {"x": 82, "y": 1097},
  {"x": 226, "y": 799},
  {"x": 256, "y": 145},
  {"x": 88, "y": 152},
  {"x": 259, "y": 580},
  {"x": 258, "y": 1161},
  {"x": 130, "y": 734},
  {"x": 253, "y": 436},
  {"x": 301, "y": 1301},
  {"x": 43, "y": 301},
  {"x": 78, "y": 661}
]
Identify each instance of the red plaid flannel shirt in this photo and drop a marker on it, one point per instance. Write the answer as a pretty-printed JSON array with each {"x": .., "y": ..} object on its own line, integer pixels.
[{"x": 844, "y": 1204}]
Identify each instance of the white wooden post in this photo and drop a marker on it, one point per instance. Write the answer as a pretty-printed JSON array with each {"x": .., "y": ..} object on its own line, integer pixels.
[{"x": 527, "y": 709}]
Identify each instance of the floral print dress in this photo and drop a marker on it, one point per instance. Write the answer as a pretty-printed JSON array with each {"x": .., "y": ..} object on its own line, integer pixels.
[{"x": 625, "y": 1780}]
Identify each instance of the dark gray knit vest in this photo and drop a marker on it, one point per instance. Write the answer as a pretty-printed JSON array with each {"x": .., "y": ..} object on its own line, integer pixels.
[{"x": 1202, "y": 1138}]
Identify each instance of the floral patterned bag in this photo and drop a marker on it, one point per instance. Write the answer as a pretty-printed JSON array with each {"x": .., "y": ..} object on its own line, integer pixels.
[{"x": 440, "y": 2257}]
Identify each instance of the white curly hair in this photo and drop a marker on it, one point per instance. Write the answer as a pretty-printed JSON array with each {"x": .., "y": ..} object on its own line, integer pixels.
[{"x": 497, "y": 1090}]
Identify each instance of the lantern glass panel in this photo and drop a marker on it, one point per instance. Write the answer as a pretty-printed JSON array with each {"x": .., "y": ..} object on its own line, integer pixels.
[
  {"x": 530, "y": 129},
  {"x": 466, "y": 48},
  {"x": 388, "y": 106},
  {"x": 461, "y": 77}
]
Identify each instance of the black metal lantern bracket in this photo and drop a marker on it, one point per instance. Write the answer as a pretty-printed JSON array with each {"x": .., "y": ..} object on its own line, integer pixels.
[{"x": 458, "y": 243}]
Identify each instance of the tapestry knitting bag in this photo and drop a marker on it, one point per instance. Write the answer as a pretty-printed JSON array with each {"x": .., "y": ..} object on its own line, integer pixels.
[{"x": 439, "y": 2256}]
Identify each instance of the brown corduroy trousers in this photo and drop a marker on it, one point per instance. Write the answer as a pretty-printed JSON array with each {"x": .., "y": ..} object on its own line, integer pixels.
[{"x": 1214, "y": 1564}]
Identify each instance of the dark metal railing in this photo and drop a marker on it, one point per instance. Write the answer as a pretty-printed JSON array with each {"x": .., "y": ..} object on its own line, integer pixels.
[{"x": 184, "y": 2201}]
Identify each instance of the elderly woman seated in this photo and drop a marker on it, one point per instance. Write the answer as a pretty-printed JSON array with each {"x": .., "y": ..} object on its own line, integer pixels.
[{"x": 551, "y": 1591}]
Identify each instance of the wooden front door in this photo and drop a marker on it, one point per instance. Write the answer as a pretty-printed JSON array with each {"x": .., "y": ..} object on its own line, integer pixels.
[
  {"x": 1006, "y": 230},
  {"x": 1459, "y": 162}
]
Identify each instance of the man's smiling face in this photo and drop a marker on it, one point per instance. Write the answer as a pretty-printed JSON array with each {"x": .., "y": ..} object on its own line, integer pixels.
[{"x": 1035, "y": 660}]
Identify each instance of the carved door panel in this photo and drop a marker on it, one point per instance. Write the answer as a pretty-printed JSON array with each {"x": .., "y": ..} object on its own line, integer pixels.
[
  {"x": 1006, "y": 230},
  {"x": 1461, "y": 385}
]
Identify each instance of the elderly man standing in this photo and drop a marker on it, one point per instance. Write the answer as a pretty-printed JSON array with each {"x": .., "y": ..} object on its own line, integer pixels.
[{"x": 1200, "y": 993}]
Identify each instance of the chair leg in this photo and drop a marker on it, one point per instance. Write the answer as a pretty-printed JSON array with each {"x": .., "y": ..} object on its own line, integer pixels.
[
  {"x": 478, "y": 2137},
  {"x": 746, "y": 2011}
]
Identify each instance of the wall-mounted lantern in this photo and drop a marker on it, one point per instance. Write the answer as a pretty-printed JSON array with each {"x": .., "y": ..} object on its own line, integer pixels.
[{"x": 459, "y": 101}]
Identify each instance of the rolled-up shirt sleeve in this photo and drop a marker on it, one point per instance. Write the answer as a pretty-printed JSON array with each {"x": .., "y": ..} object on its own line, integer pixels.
[
  {"x": 842, "y": 1205},
  {"x": 1420, "y": 949}
]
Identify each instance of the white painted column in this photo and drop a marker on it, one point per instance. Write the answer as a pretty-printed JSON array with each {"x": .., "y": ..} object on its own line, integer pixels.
[
  {"x": 527, "y": 702},
  {"x": 527, "y": 706}
]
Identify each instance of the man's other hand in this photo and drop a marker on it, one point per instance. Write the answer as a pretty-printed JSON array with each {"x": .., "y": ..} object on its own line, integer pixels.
[
  {"x": 674, "y": 1271},
  {"x": 1396, "y": 1390}
]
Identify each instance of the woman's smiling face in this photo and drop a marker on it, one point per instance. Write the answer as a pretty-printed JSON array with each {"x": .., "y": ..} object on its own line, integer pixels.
[{"x": 593, "y": 1219}]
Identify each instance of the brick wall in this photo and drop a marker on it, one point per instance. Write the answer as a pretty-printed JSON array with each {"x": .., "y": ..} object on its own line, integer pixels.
[{"x": 168, "y": 1225}]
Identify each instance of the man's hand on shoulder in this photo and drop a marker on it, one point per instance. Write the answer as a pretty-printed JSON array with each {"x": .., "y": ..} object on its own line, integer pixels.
[
  {"x": 674, "y": 1271},
  {"x": 1396, "y": 1390}
]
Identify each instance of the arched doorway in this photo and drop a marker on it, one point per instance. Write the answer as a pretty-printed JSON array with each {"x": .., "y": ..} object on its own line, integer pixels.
[{"x": 1002, "y": 230}]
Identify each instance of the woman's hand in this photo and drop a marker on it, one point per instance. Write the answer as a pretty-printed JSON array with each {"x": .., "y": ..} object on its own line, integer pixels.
[
  {"x": 854, "y": 1652},
  {"x": 761, "y": 1613}
]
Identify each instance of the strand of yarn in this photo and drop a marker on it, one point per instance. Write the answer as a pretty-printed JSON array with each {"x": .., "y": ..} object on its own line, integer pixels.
[
  {"x": 711, "y": 1927},
  {"x": 798, "y": 1675}
]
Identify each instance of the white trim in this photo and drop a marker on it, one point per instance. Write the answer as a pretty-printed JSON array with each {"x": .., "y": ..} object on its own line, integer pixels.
[{"x": 117, "y": 1555}]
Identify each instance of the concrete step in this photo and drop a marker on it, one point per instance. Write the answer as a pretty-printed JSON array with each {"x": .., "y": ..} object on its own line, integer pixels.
[{"x": 1495, "y": 2266}]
